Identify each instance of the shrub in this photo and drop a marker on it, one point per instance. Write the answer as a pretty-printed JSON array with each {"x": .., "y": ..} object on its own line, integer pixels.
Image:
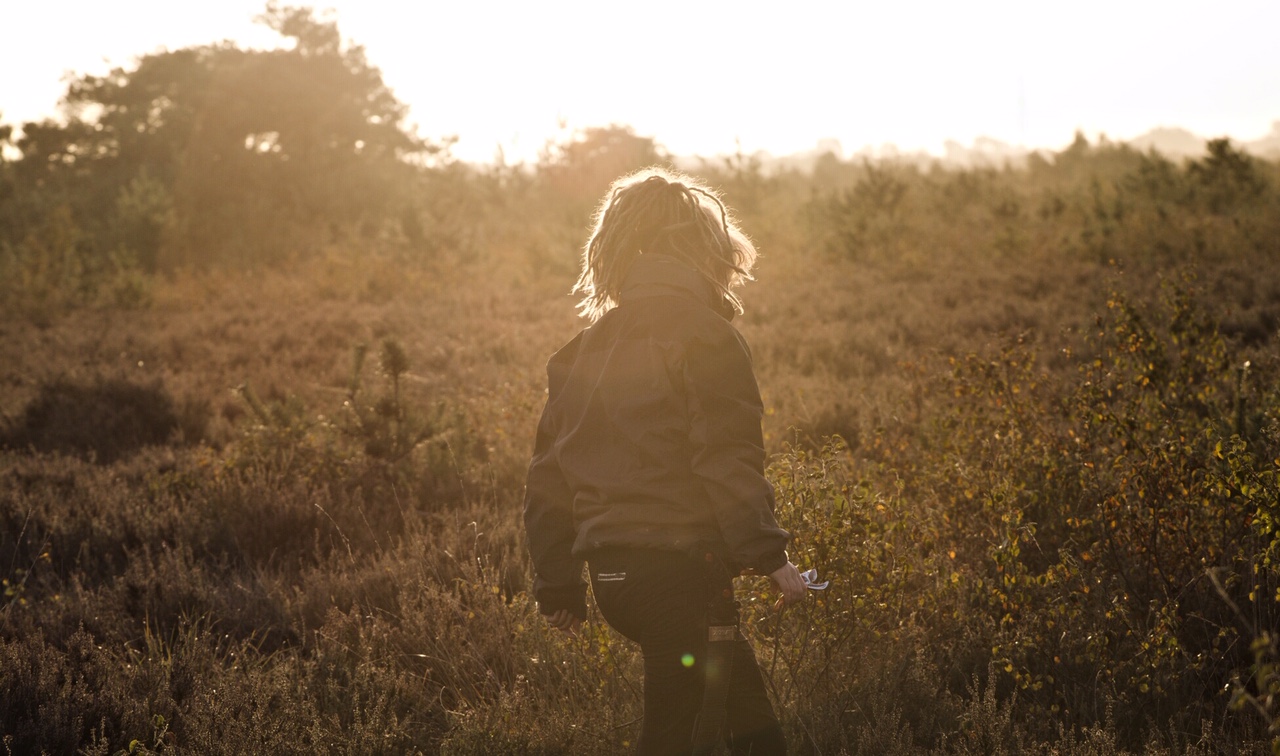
[{"x": 106, "y": 420}]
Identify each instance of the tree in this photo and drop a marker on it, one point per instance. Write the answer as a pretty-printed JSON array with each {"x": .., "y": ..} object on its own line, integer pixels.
[
  {"x": 583, "y": 167},
  {"x": 1225, "y": 176},
  {"x": 218, "y": 154}
]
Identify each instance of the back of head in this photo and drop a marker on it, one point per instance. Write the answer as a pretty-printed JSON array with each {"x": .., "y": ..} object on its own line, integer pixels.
[{"x": 654, "y": 211}]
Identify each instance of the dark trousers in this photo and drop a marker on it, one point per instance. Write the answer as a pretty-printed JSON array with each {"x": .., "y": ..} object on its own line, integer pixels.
[{"x": 661, "y": 600}]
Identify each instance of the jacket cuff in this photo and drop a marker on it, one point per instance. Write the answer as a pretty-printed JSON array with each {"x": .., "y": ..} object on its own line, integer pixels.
[
  {"x": 553, "y": 598},
  {"x": 770, "y": 562}
]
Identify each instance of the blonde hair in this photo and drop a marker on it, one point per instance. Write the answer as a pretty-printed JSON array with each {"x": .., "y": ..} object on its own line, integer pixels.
[{"x": 662, "y": 212}]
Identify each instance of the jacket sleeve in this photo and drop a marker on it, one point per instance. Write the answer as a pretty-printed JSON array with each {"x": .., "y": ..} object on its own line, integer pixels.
[
  {"x": 548, "y": 519},
  {"x": 728, "y": 449}
]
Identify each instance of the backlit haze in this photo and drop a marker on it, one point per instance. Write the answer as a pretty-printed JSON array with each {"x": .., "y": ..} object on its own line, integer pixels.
[{"x": 705, "y": 77}]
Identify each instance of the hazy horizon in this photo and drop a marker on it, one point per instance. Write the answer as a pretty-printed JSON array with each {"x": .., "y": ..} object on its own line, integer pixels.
[{"x": 708, "y": 79}]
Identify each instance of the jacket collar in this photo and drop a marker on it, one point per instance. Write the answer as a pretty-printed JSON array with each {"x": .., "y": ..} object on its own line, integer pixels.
[{"x": 653, "y": 275}]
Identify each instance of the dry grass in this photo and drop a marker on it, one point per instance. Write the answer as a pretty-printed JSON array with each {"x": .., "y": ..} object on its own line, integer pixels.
[{"x": 250, "y": 579}]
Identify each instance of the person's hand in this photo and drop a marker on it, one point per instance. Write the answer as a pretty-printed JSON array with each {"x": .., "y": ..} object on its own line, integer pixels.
[
  {"x": 564, "y": 620},
  {"x": 790, "y": 584}
]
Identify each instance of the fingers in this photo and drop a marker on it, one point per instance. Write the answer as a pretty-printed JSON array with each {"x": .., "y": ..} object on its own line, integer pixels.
[
  {"x": 793, "y": 594},
  {"x": 564, "y": 621},
  {"x": 790, "y": 584}
]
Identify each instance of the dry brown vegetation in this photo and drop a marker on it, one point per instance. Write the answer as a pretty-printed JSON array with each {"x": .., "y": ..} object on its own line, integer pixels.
[{"x": 1010, "y": 418}]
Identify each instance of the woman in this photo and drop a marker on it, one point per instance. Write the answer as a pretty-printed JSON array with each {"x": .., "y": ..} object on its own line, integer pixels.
[{"x": 649, "y": 464}]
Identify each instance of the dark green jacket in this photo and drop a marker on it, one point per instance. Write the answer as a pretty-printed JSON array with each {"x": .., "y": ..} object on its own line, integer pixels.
[{"x": 650, "y": 438}]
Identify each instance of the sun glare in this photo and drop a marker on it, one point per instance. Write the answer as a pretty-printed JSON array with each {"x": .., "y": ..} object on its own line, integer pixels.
[{"x": 713, "y": 77}]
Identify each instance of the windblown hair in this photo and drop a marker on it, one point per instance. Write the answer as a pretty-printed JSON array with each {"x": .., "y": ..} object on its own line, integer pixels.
[{"x": 661, "y": 212}]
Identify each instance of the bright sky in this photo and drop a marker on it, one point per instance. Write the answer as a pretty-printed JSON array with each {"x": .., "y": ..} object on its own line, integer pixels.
[{"x": 699, "y": 76}]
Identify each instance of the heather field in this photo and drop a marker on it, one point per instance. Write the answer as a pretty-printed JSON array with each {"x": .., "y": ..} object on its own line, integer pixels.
[
  {"x": 264, "y": 425},
  {"x": 1025, "y": 421}
]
